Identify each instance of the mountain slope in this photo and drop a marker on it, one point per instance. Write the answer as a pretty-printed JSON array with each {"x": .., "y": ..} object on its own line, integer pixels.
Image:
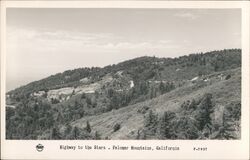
[
  {"x": 131, "y": 120},
  {"x": 189, "y": 97}
]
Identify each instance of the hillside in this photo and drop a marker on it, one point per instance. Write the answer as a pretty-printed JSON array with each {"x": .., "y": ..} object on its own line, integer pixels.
[
  {"x": 190, "y": 97},
  {"x": 131, "y": 118}
]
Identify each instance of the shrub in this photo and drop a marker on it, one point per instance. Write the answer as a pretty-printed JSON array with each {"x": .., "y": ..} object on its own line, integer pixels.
[
  {"x": 234, "y": 110},
  {"x": 88, "y": 128},
  {"x": 97, "y": 136},
  {"x": 116, "y": 127},
  {"x": 143, "y": 110},
  {"x": 54, "y": 101},
  {"x": 228, "y": 77},
  {"x": 83, "y": 96}
]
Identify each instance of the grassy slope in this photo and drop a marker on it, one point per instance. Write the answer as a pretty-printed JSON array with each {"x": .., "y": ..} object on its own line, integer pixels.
[{"x": 224, "y": 92}]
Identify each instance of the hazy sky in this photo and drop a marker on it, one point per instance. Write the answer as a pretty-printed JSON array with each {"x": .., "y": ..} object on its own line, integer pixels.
[{"x": 41, "y": 42}]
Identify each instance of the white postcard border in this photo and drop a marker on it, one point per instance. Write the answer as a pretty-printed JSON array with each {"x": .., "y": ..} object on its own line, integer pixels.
[{"x": 217, "y": 149}]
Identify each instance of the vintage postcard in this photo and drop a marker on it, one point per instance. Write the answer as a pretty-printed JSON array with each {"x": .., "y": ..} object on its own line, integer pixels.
[{"x": 125, "y": 79}]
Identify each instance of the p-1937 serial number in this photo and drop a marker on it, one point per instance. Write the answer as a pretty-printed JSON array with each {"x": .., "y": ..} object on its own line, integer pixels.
[{"x": 199, "y": 148}]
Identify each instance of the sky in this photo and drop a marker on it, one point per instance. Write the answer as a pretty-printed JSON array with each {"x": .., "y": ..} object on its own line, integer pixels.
[{"x": 42, "y": 42}]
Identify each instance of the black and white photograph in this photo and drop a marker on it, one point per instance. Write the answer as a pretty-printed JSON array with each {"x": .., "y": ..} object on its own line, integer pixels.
[
  {"x": 123, "y": 74},
  {"x": 114, "y": 80}
]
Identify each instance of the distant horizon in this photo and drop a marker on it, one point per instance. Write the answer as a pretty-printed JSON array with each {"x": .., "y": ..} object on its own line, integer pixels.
[
  {"x": 45, "y": 41},
  {"x": 122, "y": 62}
]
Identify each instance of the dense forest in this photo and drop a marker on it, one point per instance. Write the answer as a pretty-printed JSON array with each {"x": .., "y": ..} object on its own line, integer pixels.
[{"x": 60, "y": 106}]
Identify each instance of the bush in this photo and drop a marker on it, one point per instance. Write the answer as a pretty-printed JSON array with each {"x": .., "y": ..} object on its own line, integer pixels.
[
  {"x": 116, "y": 127},
  {"x": 88, "y": 128},
  {"x": 54, "y": 101},
  {"x": 97, "y": 136},
  {"x": 234, "y": 110},
  {"x": 143, "y": 110},
  {"x": 228, "y": 77},
  {"x": 83, "y": 96}
]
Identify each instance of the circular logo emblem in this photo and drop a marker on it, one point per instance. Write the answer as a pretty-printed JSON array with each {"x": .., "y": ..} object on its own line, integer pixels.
[{"x": 39, "y": 147}]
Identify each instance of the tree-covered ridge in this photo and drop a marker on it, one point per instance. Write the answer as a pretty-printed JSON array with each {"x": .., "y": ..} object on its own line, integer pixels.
[
  {"x": 143, "y": 69},
  {"x": 120, "y": 86}
]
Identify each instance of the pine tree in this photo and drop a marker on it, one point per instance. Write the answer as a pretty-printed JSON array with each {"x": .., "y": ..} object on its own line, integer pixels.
[
  {"x": 216, "y": 66},
  {"x": 165, "y": 130},
  {"x": 152, "y": 92},
  {"x": 227, "y": 130},
  {"x": 150, "y": 123},
  {"x": 138, "y": 135},
  {"x": 193, "y": 104},
  {"x": 162, "y": 88},
  {"x": 204, "y": 111},
  {"x": 55, "y": 134},
  {"x": 88, "y": 128},
  {"x": 88, "y": 101},
  {"x": 185, "y": 127},
  {"x": 75, "y": 133},
  {"x": 67, "y": 131},
  {"x": 59, "y": 118}
]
